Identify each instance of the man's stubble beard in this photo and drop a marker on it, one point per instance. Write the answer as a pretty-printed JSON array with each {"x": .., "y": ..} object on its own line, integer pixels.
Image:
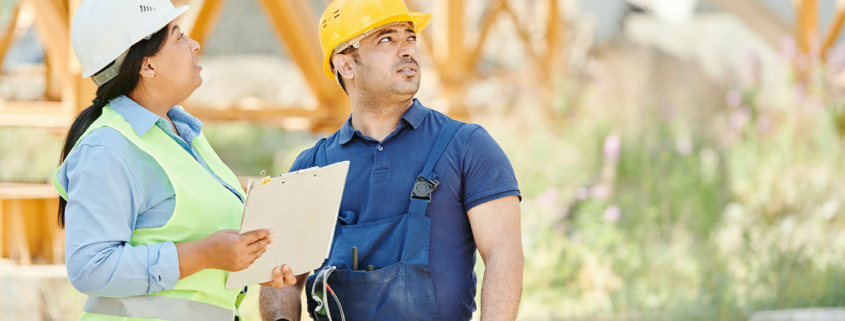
[{"x": 378, "y": 97}]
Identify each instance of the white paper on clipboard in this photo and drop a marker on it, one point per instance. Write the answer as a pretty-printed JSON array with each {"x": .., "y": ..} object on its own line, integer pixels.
[{"x": 301, "y": 208}]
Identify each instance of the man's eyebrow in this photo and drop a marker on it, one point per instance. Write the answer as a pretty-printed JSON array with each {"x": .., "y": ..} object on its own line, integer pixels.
[
  {"x": 384, "y": 32},
  {"x": 411, "y": 31}
]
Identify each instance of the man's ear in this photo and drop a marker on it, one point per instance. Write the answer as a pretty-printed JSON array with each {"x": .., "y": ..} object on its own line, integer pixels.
[
  {"x": 147, "y": 68},
  {"x": 343, "y": 66}
]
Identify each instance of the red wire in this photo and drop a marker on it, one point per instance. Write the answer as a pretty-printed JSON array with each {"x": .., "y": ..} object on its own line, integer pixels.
[{"x": 330, "y": 289}]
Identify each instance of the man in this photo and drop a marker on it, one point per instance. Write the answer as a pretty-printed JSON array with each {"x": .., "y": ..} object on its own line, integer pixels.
[{"x": 415, "y": 248}]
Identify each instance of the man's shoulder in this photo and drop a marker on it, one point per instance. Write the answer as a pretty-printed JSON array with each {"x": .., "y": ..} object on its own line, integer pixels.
[{"x": 305, "y": 159}]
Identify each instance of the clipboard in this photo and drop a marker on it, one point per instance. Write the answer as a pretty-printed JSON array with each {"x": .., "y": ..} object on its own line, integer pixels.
[{"x": 301, "y": 208}]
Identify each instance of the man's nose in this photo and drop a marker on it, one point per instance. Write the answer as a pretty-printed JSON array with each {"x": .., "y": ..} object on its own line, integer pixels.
[{"x": 407, "y": 49}]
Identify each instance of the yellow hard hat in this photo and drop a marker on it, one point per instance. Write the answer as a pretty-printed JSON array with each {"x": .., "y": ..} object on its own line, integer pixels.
[{"x": 346, "y": 19}]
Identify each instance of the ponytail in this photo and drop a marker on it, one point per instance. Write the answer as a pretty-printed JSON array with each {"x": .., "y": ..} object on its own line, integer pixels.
[{"x": 126, "y": 81}]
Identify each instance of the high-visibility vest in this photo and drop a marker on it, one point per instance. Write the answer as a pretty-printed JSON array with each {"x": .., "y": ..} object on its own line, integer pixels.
[{"x": 203, "y": 206}]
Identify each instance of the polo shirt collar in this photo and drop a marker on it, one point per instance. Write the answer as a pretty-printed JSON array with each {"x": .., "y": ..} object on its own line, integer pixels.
[{"x": 413, "y": 116}]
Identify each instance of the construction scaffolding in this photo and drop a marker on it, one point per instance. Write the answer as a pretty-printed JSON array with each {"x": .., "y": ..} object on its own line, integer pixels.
[{"x": 28, "y": 232}]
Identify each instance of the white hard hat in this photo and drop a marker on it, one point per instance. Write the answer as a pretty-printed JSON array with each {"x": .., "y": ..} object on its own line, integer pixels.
[{"x": 103, "y": 31}]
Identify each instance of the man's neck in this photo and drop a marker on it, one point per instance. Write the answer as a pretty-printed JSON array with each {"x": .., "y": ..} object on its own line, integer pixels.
[{"x": 377, "y": 122}]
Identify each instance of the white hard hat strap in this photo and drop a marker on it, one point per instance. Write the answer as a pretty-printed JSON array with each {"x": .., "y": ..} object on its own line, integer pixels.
[{"x": 110, "y": 72}]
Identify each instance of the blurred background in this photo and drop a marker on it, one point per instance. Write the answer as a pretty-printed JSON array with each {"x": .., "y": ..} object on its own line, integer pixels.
[{"x": 679, "y": 159}]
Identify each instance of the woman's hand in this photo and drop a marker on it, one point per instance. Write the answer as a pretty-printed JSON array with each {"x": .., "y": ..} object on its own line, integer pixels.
[
  {"x": 228, "y": 251},
  {"x": 280, "y": 279}
]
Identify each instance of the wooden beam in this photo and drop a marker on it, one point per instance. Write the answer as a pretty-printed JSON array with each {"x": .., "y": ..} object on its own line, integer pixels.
[
  {"x": 56, "y": 245},
  {"x": 15, "y": 245},
  {"x": 77, "y": 92},
  {"x": 425, "y": 36},
  {"x": 449, "y": 47},
  {"x": 522, "y": 33},
  {"x": 35, "y": 120},
  {"x": 51, "y": 20},
  {"x": 27, "y": 191},
  {"x": 807, "y": 24},
  {"x": 296, "y": 26},
  {"x": 233, "y": 112},
  {"x": 835, "y": 27},
  {"x": 553, "y": 35},
  {"x": 206, "y": 20},
  {"x": 9, "y": 36},
  {"x": 759, "y": 18},
  {"x": 490, "y": 16}
]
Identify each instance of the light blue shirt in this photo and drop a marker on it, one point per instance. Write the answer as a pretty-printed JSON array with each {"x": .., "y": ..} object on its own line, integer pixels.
[{"x": 113, "y": 188}]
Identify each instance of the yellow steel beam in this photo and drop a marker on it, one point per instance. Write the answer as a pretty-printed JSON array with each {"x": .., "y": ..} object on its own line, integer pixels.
[
  {"x": 807, "y": 23},
  {"x": 9, "y": 37},
  {"x": 206, "y": 20},
  {"x": 835, "y": 27}
]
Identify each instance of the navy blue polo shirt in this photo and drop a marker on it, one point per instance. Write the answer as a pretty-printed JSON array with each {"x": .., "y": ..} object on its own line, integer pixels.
[{"x": 472, "y": 171}]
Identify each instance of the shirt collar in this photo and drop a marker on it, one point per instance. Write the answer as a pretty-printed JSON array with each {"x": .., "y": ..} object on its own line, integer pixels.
[
  {"x": 178, "y": 115},
  {"x": 140, "y": 118},
  {"x": 413, "y": 116}
]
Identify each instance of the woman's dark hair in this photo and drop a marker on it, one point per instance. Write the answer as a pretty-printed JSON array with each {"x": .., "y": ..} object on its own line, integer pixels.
[{"x": 126, "y": 80}]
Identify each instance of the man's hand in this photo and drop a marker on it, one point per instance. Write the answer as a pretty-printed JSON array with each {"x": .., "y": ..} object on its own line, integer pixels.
[
  {"x": 279, "y": 279},
  {"x": 496, "y": 229},
  {"x": 282, "y": 303}
]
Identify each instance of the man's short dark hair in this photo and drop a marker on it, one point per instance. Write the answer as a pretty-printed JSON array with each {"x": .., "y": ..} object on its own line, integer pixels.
[{"x": 355, "y": 57}]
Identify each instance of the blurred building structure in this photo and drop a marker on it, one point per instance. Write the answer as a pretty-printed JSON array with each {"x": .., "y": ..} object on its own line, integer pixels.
[{"x": 40, "y": 84}]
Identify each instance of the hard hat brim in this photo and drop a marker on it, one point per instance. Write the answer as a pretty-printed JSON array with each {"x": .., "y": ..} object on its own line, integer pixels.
[
  {"x": 420, "y": 20},
  {"x": 179, "y": 12}
]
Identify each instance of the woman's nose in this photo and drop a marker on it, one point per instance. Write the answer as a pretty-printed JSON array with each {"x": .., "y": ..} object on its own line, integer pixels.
[{"x": 194, "y": 45}]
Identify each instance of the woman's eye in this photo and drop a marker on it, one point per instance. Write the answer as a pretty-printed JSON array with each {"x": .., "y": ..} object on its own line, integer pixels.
[{"x": 182, "y": 35}]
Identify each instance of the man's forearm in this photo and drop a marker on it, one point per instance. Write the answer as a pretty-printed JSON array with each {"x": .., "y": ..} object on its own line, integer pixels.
[
  {"x": 502, "y": 287},
  {"x": 286, "y": 303}
]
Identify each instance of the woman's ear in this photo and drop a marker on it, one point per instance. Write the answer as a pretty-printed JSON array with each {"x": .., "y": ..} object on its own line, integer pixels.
[
  {"x": 343, "y": 66},
  {"x": 147, "y": 68}
]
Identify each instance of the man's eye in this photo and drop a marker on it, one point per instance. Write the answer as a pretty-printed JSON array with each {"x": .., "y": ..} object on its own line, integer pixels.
[
  {"x": 383, "y": 39},
  {"x": 412, "y": 38}
]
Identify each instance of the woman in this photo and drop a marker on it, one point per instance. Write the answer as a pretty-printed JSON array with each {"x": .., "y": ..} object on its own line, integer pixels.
[{"x": 150, "y": 210}]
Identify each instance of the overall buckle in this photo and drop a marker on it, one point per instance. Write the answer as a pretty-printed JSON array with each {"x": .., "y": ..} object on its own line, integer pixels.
[{"x": 423, "y": 188}]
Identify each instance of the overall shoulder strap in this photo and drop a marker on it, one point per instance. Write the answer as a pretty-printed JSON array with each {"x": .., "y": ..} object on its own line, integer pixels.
[
  {"x": 427, "y": 181},
  {"x": 319, "y": 158}
]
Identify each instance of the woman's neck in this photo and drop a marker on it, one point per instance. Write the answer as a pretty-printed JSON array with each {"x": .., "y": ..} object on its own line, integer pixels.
[{"x": 156, "y": 105}]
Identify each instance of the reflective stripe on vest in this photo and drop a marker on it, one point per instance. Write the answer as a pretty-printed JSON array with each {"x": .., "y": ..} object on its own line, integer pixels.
[{"x": 157, "y": 307}]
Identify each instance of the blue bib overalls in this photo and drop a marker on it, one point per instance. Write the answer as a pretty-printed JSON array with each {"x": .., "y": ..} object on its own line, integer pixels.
[{"x": 399, "y": 287}]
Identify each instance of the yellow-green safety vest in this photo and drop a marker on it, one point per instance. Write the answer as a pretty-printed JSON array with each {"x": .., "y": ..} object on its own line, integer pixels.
[{"x": 203, "y": 206}]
